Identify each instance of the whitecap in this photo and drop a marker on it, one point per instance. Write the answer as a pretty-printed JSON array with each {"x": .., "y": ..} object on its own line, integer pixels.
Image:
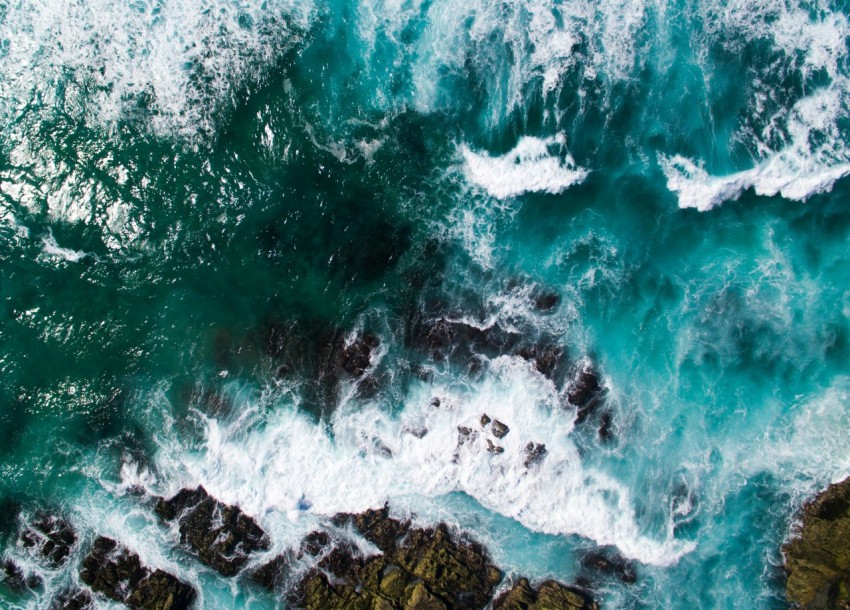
[{"x": 532, "y": 166}]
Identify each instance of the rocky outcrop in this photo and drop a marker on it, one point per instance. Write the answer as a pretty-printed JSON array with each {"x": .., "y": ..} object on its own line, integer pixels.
[
  {"x": 17, "y": 580},
  {"x": 611, "y": 563},
  {"x": 50, "y": 537},
  {"x": 117, "y": 573},
  {"x": 549, "y": 595},
  {"x": 585, "y": 390},
  {"x": 419, "y": 569},
  {"x": 222, "y": 536},
  {"x": 817, "y": 558}
]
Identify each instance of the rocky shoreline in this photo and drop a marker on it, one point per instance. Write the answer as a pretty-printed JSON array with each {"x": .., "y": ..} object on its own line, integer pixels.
[
  {"x": 408, "y": 568},
  {"x": 817, "y": 558}
]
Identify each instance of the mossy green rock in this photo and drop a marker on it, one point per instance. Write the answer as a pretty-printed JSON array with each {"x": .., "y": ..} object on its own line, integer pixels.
[
  {"x": 549, "y": 595},
  {"x": 817, "y": 560}
]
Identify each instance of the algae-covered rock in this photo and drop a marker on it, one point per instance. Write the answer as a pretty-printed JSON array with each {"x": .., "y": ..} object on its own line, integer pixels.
[
  {"x": 222, "y": 535},
  {"x": 118, "y": 573},
  {"x": 549, "y": 595},
  {"x": 817, "y": 559}
]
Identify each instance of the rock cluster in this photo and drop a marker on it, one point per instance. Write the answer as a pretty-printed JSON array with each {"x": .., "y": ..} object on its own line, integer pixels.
[
  {"x": 817, "y": 559},
  {"x": 117, "y": 573},
  {"x": 549, "y": 595},
  {"x": 222, "y": 536}
]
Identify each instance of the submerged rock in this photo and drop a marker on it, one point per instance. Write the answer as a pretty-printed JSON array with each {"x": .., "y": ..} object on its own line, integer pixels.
[
  {"x": 546, "y": 300},
  {"x": 549, "y": 595},
  {"x": 73, "y": 599},
  {"x": 17, "y": 580},
  {"x": 356, "y": 356},
  {"x": 817, "y": 558},
  {"x": 117, "y": 573},
  {"x": 610, "y": 562},
  {"x": 222, "y": 536},
  {"x": 50, "y": 537},
  {"x": 549, "y": 360}
]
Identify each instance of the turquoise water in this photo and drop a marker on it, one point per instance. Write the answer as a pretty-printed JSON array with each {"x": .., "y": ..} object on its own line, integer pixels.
[{"x": 192, "y": 194}]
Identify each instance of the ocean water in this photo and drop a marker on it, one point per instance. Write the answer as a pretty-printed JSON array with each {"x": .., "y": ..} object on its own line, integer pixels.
[{"x": 195, "y": 193}]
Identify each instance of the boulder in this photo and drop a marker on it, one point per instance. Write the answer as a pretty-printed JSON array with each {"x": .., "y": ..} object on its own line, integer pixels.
[
  {"x": 485, "y": 419},
  {"x": 117, "y": 573},
  {"x": 493, "y": 448},
  {"x": 817, "y": 557},
  {"x": 50, "y": 537},
  {"x": 549, "y": 595},
  {"x": 534, "y": 453},
  {"x": 549, "y": 360},
  {"x": 499, "y": 429},
  {"x": 584, "y": 391},
  {"x": 546, "y": 300},
  {"x": 222, "y": 536}
]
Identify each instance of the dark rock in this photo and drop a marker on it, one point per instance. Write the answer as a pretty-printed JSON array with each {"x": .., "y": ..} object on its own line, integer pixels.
[
  {"x": 435, "y": 402},
  {"x": 546, "y": 301},
  {"x": 534, "y": 453},
  {"x": 605, "y": 425},
  {"x": 485, "y": 419},
  {"x": 584, "y": 391},
  {"x": 222, "y": 536},
  {"x": 17, "y": 580},
  {"x": 417, "y": 431},
  {"x": 419, "y": 569},
  {"x": 282, "y": 371},
  {"x": 499, "y": 429},
  {"x": 117, "y": 573},
  {"x": 444, "y": 339},
  {"x": 51, "y": 537},
  {"x": 273, "y": 574},
  {"x": 494, "y": 449},
  {"x": 549, "y": 360},
  {"x": 817, "y": 559},
  {"x": 314, "y": 543},
  {"x": 74, "y": 599},
  {"x": 610, "y": 562},
  {"x": 356, "y": 356},
  {"x": 549, "y": 595}
]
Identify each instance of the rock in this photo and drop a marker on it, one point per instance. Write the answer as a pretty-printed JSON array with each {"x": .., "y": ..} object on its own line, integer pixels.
[
  {"x": 435, "y": 402},
  {"x": 549, "y": 595},
  {"x": 546, "y": 300},
  {"x": 314, "y": 543},
  {"x": 356, "y": 356},
  {"x": 547, "y": 359},
  {"x": 73, "y": 599},
  {"x": 51, "y": 537},
  {"x": 272, "y": 574},
  {"x": 222, "y": 536},
  {"x": 17, "y": 580},
  {"x": 494, "y": 449},
  {"x": 444, "y": 339},
  {"x": 500, "y": 430},
  {"x": 605, "y": 425},
  {"x": 610, "y": 562},
  {"x": 420, "y": 569},
  {"x": 584, "y": 391},
  {"x": 817, "y": 558},
  {"x": 117, "y": 573},
  {"x": 534, "y": 454},
  {"x": 485, "y": 419}
]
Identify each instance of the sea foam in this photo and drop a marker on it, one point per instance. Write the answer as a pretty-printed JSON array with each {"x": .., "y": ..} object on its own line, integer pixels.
[{"x": 532, "y": 166}]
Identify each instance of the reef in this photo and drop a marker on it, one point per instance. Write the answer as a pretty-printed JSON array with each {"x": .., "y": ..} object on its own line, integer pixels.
[{"x": 817, "y": 558}]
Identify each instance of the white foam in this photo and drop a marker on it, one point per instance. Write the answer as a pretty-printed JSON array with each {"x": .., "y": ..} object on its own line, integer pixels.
[
  {"x": 52, "y": 248},
  {"x": 286, "y": 468},
  {"x": 99, "y": 59},
  {"x": 533, "y": 166}
]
